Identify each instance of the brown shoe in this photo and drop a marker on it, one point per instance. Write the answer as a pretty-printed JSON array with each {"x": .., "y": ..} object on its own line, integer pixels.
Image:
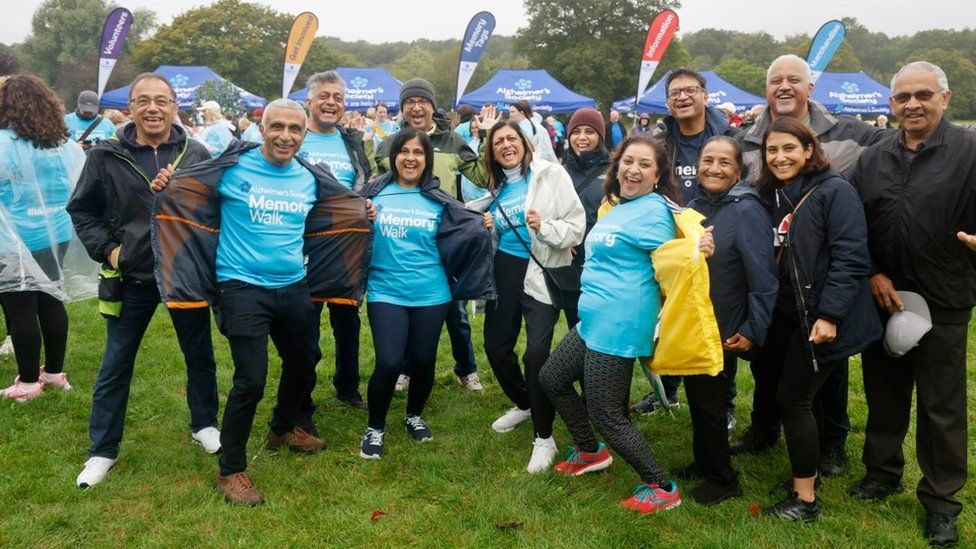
[
  {"x": 297, "y": 440},
  {"x": 238, "y": 488}
]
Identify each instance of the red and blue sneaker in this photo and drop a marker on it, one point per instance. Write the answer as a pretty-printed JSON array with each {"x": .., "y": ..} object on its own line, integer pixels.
[
  {"x": 580, "y": 462},
  {"x": 651, "y": 498}
]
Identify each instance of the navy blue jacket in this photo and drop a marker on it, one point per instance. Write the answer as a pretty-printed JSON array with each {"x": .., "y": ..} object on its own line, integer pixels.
[
  {"x": 462, "y": 240},
  {"x": 742, "y": 271},
  {"x": 826, "y": 262}
]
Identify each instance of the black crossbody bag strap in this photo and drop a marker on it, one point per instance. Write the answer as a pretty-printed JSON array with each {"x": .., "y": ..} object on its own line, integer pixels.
[
  {"x": 91, "y": 128},
  {"x": 511, "y": 226}
]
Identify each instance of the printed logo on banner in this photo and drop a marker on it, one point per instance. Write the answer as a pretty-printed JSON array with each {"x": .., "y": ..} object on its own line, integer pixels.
[
  {"x": 358, "y": 83},
  {"x": 179, "y": 80},
  {"x": 850, "y": 87},
  {"x": 523, "y": 84}
]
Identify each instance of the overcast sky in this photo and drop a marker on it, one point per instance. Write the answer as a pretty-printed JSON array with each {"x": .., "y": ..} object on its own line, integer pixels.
[{"x": 387, "y": 20}]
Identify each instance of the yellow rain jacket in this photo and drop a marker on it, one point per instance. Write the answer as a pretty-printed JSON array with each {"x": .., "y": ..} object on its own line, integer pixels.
[{"x": 688, "y": 340}]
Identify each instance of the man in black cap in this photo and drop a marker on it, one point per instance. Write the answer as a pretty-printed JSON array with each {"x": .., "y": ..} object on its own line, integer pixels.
[
  {"x": 452, "y": 155},
  {"x": 85, "y": 125}
]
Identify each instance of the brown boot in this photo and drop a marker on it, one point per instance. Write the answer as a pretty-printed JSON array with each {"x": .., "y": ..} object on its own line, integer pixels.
[
  {"x": 297, "y": 440},
  {"x": 238, "y": 488}
]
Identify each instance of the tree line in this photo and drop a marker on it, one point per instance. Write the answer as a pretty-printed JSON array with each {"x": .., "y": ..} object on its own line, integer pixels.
[{"x": 592, "y": 47}]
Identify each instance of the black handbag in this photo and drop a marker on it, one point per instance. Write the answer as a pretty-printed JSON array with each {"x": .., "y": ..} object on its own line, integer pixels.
[{"x": 563, "y": 283}]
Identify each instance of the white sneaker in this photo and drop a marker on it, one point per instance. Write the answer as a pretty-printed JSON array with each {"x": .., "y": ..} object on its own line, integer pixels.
[
  {"x": 7, "y": 348},
  {"x": 209, "y": 438},
  {"x": 402, "y": 383},
  {"x": 471, "y": 382},
  {"x": 510, "y": 420},
  {"x": 95, "y": 471},
  {"x": 543, "y": 454}
]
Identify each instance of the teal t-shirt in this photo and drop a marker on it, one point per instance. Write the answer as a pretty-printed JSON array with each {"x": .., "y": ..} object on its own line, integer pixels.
[
  {"x": 263, "y": 209},
  {"x": 406, "y": 266},
  {"x": 512, "y": 199},
  {"x": 77, "y": 126},
  {"x": 252, "y": 134},
  {"x": 621, "y": 300},
  {"x": 329, "y": 148},
  {"x": 389, "y": 128}
]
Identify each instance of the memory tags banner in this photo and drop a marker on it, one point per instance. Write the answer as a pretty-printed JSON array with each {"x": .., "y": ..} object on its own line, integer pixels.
[{"x": 473, "y": 45}]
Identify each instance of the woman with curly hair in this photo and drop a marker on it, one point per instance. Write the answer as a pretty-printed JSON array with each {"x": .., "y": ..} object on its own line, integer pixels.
[{"x": 38, "y": 167}]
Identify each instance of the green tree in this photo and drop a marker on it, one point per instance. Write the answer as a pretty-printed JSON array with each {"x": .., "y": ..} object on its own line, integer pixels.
[
  {"x": 594, "y": 48},
  {"x": 708, "y": 46},
  {"x": 63, "y": 46},
  {"x": 221, "y": 91},
  {"x": 242, "y": 42},
  {"x": 743, "y": 74},
  {"x": 961, "y": 73}
]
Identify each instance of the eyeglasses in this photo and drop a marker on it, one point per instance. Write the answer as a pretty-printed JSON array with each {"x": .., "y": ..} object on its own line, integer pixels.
[
  {"x": 143, "y": 102},
  {"x": 688, "y": 90},
  {"x": 921, "y": 95},
  {"x": 415, "y": 102}
]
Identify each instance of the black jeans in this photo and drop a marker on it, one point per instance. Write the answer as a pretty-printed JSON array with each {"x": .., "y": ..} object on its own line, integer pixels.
[
  {"x": 249, "y": 314},
  {"x": 124, "y": 335},
  {"x": 459, "y": 332},
  {"x": 503, "y": 322},
  {"x": 345, "y": 323},
  {"x": 710, "y": 434},
  {"x": 405, "y": 340},
  {"x": 936, "y": 369}
]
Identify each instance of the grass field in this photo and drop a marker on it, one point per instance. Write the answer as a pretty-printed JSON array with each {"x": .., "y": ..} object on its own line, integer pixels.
[{"x": 467, "y": 488}]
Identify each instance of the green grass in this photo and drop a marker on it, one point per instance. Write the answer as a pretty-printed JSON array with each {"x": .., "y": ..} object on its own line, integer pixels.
[{"x": 466, "y": 488}]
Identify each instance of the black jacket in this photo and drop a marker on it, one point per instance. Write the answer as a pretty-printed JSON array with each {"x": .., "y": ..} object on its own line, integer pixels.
[
  {"x": 742, "y": 271},
  {"x": 462, "y": 240},
  {"x": 186, "y": 231},
  {"x": 826, "y": 263},
  {"x": 112, "y": 202},
  {"x": 579, "y": 167},
  {"x": 914, "y": 212}
]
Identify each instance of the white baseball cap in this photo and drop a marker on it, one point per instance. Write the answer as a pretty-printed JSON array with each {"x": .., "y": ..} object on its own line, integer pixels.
[{"x": 906, "y": 327}]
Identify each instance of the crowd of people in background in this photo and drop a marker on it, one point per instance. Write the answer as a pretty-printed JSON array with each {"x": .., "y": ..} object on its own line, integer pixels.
[{"x": 824, "y": 237}]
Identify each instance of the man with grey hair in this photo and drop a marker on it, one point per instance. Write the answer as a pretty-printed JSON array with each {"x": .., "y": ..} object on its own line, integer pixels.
[
  {"x": 274, "y": 209},
  {"x": 788, "y": 87},
  {"x": 341, "y": 150},
  {"x": 918, "y": 187}
]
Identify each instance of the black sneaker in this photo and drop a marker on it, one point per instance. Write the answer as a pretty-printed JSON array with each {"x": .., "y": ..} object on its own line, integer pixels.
[
  {"x": 418, "y": 429},
  {"x": 753, "y": 441},
  {"x": 940, "y": 529},
  {"x": 794, "y": 509},
  {"x": 372, "y": 445},
  {"x": 833, "y": 461},
  {"x": 873, "y": 490},
  {"x": 355, "y": 400},
  {"x": 711, "y": 492},
  {"x": 686, "y": 472}
]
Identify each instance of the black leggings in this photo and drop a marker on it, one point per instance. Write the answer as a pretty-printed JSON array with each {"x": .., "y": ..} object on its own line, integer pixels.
[
  {"x": 36, "y": 316},
  {"x": 503, "y": 322},
  {"x": 405, "y": 340},
  {"x": 798, "y": 385},
  {"x": 606, "y": 379}
]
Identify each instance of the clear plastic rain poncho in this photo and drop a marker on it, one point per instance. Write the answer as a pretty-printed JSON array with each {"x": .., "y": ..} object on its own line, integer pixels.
[{"x": 39, "y": 250}]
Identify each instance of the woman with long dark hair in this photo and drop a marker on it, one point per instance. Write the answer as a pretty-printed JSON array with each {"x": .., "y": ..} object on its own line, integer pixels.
[
  {"x": 38, "y": 168},
  {"x": 537, "y": 219},
  {"x": 823, "y": 313},
  {"x": 618, "y": 313}
]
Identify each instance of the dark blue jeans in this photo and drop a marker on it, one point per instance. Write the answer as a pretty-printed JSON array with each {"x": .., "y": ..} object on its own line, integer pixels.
[
  {"x": 124, "y": 334},
  {"x": 249, "y": 314},
  {"x": 459, "y": 330}
]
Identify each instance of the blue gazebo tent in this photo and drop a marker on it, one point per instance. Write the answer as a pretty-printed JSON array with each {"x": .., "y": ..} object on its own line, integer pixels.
[
  {"x": 538, "y": 87},
  {"x": 184, "y": 79},
  {"x": 851, "y": 93},
  {"x": 719, "y": 91},
  {"x": 365, "y": 87}
]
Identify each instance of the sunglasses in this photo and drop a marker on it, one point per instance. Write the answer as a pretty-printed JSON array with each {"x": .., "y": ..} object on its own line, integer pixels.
[{"x": 920, "y": 95}]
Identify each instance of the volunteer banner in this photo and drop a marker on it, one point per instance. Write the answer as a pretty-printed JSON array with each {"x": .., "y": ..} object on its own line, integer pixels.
[
  {"x": 116, "y": 28},
  {"x": 824, "y": 46},
  {"x": 475, "y": 40},
  {"x": 300, "y": 39},
  {"x": 655, "y": 45}
]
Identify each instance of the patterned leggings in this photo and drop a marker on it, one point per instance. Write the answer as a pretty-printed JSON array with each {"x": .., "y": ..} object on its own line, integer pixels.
[{"x": 606, "y": 381}]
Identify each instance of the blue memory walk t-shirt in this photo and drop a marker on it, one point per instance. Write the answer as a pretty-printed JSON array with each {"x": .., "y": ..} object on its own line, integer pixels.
[
  {"x": 263, "y": 209},
  {"x": 406, "y": 266},
  {"x": 621, "y": 300},
  {"x": 77, "y": 126},
  {"x": 330, "y": 149},
  {"x": 512, "y": 199}
]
